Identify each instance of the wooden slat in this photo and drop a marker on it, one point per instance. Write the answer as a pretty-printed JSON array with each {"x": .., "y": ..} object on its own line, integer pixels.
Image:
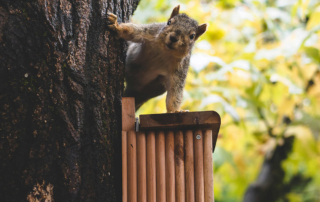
[
  {"x": 141, "y": 167},
  {"x": 128, "y": 114},
  {"x": 124, "y": 167},
  {"x": 189, "y": 165},
  {"x": 179, "y": 166},
  {"x": 161, "y": 167},
  {"x": 170, "y": 170},
  {"x": 132, "y": 166},
  {"x": 198, "y": 166},
  {"x": 151, "y": 167},
  {"x": 208, "y": 167}
]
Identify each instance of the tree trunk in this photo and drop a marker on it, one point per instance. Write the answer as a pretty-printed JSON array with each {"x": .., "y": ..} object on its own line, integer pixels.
[
  {"x": 270, "y": 184},
  {"x": 61, "y": 82}
]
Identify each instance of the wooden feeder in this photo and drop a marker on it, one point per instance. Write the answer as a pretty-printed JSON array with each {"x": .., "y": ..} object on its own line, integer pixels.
[{"x": 169, "y": 159}]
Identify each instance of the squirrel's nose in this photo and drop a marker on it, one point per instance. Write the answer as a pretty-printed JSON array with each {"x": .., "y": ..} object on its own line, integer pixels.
[{"x": 173, "y": 39}]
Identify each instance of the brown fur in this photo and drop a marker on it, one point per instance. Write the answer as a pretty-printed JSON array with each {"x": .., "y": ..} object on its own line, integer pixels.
[{"x": 158, "y": 57}]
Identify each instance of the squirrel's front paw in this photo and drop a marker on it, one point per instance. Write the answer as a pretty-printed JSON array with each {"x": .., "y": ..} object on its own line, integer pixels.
[
  {"x": 112, "y": 21},
  {"x": 177, "y": 111}
]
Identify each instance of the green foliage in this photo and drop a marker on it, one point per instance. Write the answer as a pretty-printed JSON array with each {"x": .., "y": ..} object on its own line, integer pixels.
[{"x": 258, "y": 66}]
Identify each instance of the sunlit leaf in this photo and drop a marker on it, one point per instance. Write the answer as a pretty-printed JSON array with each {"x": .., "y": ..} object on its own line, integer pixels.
[
  {"x": 277, "y": 14},
  {"x": 314, "y": 19},
  {"x": 199, "y": 61},
  {"x": 217, "y": 99},
  {"x": 251, "y": 47},
  {"x": 313, "y": 53},
  {"x": 293, "y": 89},
  {"x": 242, "y": 64}
]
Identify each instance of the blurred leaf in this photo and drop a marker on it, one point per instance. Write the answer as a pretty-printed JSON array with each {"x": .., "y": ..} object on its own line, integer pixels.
[
  {"x": 242, "y": 64},
  {"x": 213, "y": 32},
  {"x": 293, "y": 89},
  {"x": 227, "y": 4},
  {"x": 277, "y": 14},
  {"x": 310, "y": 121},
  {"x": 220, "y": 157},
  {"x": 313, "y": 53},
  {"x": 314, "y": 19},
  {"x": 217, "y": 99},
  {"x": 199, "y": 61},
  {"x": 251, "y": 47}
]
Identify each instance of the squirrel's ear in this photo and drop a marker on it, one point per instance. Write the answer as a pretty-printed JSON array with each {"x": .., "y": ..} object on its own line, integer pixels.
[
  {"x": 201, "y": 29},
  {"x": 175, "y": 11}
]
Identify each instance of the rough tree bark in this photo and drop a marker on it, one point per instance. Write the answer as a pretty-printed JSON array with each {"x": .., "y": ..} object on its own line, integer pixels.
[{"x": 61, "y": 82}]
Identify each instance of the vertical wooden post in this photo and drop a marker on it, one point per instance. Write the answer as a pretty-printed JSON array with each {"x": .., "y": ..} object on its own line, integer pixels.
[
  {"x": 142, "y": 167},
  {"x": 128, "y": 114},
  {"x": 132, "y": 166},
  {"x": 198, "y": 165},
  {"x": 208, "y": 167},
  {"x": 129, "y": 176},
  {"x": 124, "y": 166},
  {"x": 151, "y": 167},
  {"x": 161, "y": 167},
  {"x": 170, "y": 170},
  {"x": 179, "y": 166},
  {"x": 189, "y": 165}
]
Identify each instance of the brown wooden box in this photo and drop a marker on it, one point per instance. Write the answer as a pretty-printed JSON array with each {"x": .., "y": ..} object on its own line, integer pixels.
[{"x": 170, "y": 157}]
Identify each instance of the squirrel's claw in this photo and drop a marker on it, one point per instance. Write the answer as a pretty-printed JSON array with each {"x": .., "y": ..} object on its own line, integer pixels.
[
  {"x": 178, "y": 111},
  {"x": 112, "y": 21},
  {"x": 112, "y": 18},
  {"x": 181, "y": 111}
]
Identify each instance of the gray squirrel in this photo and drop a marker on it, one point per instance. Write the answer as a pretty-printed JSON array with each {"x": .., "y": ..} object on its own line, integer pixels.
[{"x": 158, "y": 57}]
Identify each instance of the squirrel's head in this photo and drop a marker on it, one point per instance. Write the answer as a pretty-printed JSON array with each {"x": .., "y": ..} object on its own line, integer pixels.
[{"x": 180, "y": 33}]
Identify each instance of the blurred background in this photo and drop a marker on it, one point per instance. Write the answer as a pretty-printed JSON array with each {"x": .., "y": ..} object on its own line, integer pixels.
[{"x": 258, "y": 66}]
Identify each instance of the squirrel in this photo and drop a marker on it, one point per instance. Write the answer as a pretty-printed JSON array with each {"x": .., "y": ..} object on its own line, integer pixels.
[{"x": 158, "y": 57}]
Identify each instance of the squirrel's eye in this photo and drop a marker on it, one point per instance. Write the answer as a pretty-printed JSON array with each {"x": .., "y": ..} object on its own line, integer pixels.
[
  {"x": 169, "y": 22},
  {"x": 192, "y": 36}
]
